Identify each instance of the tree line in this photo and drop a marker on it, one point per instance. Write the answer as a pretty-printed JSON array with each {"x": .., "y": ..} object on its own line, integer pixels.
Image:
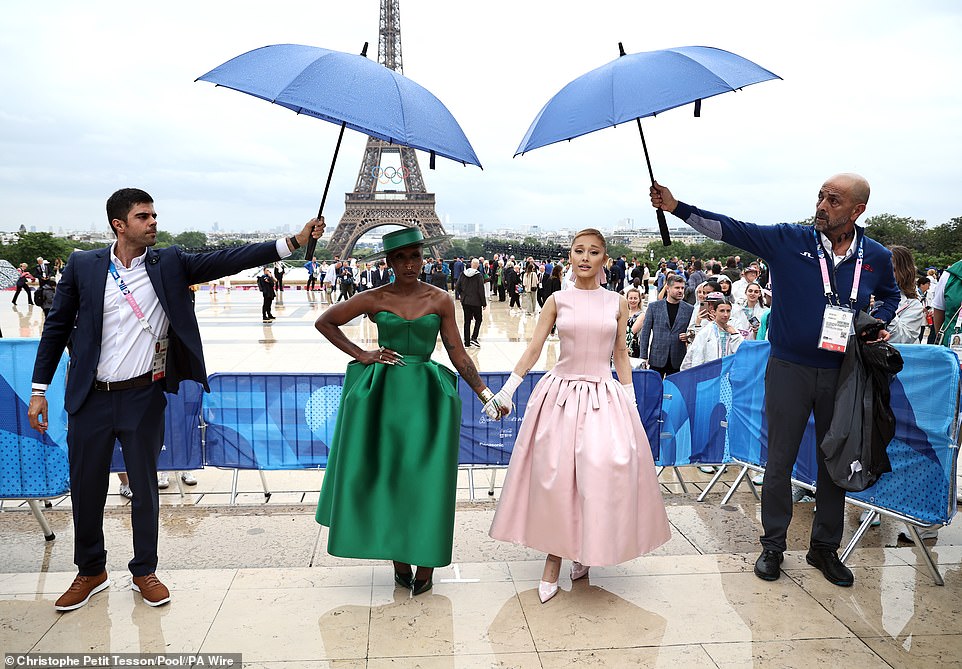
[{"x": 937, "y": 246}]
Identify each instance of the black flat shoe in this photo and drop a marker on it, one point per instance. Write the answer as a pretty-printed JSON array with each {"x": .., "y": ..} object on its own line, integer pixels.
[
  {"x": 404, "y": 580},
  {"x": 420, "y": 587},
  {"x": 768, "y": 565}
]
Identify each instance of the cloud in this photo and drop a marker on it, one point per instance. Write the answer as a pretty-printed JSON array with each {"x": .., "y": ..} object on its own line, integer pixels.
[{"x": 102, "y": 95}]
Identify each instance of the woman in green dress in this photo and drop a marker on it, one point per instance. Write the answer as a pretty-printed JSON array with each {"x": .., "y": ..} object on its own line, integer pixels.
[{"x": 389, "y": 488}]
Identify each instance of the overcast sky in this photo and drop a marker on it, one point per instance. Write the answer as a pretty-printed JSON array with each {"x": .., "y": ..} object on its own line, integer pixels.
[{"x": 100, "y": 95}]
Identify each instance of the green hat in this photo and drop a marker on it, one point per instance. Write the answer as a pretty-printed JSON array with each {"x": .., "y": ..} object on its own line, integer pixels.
[
  {"x": 406, "y": 237},
  {"x": 401, "y": 238}
]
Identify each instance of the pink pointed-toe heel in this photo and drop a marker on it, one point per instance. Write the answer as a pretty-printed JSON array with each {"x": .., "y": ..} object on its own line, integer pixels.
[
  {"x": 578, "y": 570},
  {"x": 547, "y": 590}
]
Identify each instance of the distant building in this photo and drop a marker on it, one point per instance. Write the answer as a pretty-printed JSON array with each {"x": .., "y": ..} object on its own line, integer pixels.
[{"x": 463, "y": 229}]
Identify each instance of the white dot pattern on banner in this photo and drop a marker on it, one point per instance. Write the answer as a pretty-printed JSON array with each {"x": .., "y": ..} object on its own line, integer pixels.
[
  {"x": 320, "y": 412},
  {"x": 725, "y": 396}
]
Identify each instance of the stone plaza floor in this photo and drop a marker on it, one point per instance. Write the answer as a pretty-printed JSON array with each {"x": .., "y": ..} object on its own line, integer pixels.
[{"x": 253, "y": 577}]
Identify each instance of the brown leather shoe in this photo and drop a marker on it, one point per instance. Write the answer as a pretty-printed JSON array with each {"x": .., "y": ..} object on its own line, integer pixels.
[
  {"x": 80, "y": 591},
  {"x": 151, "y": 589}
]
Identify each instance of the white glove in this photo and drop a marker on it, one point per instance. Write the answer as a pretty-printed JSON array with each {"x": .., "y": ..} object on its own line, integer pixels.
[
  {"x": 629, "y": 390},
  {"x": 502, "y": 399}
]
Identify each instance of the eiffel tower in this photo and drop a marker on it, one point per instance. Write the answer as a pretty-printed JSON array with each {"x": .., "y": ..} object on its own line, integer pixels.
[{"x": 389, "y": 189}]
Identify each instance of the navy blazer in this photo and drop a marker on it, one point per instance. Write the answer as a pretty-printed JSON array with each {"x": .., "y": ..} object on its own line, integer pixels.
[
  {"x": 77, "y": 314},
  {"x": 665, "y": 341}
]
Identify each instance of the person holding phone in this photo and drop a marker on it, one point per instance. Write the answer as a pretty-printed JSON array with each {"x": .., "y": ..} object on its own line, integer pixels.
[
  {"x": 747, "y": 314},
  {"x": 718, "y": 338}
]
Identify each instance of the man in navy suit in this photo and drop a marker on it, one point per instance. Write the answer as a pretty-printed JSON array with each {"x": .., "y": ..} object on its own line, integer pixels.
[
  {"x": 126, "y": 312},
  {"x": 379, "y": 275},
  {"x": 666, "y": 327}
]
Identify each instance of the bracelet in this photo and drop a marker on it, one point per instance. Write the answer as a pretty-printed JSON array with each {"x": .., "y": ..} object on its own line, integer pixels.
[
  {"x": 38, "y": 393},
  {"x": 292, "y": 240},
  {"x": 486, "y": 395}
]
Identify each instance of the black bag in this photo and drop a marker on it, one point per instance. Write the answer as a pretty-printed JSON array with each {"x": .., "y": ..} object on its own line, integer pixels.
[{"x": 863, "y": 423}]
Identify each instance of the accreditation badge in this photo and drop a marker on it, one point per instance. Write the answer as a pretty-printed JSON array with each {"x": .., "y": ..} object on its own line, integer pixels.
[
  {"x": 955, "y": 343},
  {"x": 160, "y": 359},
  {"x": 836, "y": 328}
]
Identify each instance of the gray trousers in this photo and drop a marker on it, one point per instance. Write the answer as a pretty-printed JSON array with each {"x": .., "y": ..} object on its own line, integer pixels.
[{"x": 792, "y": 393}]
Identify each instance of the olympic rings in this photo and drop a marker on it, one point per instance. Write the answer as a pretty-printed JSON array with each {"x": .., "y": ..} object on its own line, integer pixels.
[{"x": 390, "y": 174}]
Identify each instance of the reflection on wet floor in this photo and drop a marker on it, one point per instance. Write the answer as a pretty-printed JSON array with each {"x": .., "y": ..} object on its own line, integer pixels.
[{"x": 255, "y": 577}]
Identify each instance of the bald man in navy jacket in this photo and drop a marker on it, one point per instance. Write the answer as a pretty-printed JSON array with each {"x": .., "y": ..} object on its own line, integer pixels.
[{"x": 817, "y": 272}]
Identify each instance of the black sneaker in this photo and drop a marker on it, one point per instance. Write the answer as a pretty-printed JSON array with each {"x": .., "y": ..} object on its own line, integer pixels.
[
  {"x": 475, "y": 343},
  {"x": 827, "y": 562},
  {"x": 768, "y": 565}
]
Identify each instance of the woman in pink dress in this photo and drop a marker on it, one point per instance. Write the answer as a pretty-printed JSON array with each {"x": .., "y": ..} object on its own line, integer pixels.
[{"x": 581, "y": 483}]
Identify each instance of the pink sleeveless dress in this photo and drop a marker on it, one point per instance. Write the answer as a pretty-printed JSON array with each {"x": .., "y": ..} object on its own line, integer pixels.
[{"x": 581, "y": 482}]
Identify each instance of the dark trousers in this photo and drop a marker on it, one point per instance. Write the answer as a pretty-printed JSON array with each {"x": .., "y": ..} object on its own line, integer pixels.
[
  {"x": 135, "y": 417},
  {"x": 471, "y": 312},
  {"x": 28, "y": 290},
  {"x": 792, "y": 393},
  {"x": 666, "y": 370},
  {"x": 266, "y": 308}
]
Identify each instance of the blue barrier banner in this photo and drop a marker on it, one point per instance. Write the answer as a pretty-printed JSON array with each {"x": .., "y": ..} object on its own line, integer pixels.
[
  {"x": 747, "y": 422},
  {"x": 271, "y": 421},
  {"x": 285, "y": 421},
  {"x": 694, "y": 415},
  {"x": 182, "y": 449},
  {"x": 487, "y": 442},
  {"x": 922, "y": 453},
  {"x": 31, "y": 465}
]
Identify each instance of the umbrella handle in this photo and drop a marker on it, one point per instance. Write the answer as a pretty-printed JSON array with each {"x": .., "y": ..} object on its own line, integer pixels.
[{"x": 663, "y": 228}]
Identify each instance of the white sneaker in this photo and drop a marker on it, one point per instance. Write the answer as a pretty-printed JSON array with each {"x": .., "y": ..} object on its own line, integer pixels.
[
  {"x": 759, "y": 478},
  {"x": 125, "y": 491},
  {"x": 866, "y": 514},
  {"x": 930, "y": 532},
  {"x": 163, "y": 481},
  {"x": 188, "y": 478},
  {"x": 707, "y": 470}
]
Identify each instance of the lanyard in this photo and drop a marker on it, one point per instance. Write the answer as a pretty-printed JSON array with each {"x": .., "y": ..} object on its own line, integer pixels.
[
  {"x": 826, "y": 281},
  {"x": 122, "y": 285},
  {"x": 723, "y": 351}
]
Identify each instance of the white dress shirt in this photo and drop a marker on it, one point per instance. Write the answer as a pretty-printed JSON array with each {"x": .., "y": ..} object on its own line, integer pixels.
[{"x": 126, "y": 348}]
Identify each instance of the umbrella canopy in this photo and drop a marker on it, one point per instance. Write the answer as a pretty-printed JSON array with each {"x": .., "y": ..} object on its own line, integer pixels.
[
  {"x": 639, "y": 85},
  {"x": 347, "y": 89},
  {"x": 8, "y": 275}
]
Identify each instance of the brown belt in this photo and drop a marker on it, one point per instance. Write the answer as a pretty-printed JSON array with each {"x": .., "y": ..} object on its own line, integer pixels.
[{"x": 144, "y": 379}]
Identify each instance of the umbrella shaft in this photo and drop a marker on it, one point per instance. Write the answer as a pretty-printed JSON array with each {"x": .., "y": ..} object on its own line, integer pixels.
[
  {"x": 644, "y": 145},
  {"x": 330, "y": 172},
  {"x": 311, "y": 242}
]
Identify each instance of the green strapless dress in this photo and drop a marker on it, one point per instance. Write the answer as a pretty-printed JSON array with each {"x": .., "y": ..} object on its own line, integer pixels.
[{"x": 389, "y": 488}]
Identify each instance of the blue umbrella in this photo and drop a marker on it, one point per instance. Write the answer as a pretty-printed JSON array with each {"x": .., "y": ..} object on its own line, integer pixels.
[
  {"x": 351, "y": 91},
  {"x": 638, "y": 85}
]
